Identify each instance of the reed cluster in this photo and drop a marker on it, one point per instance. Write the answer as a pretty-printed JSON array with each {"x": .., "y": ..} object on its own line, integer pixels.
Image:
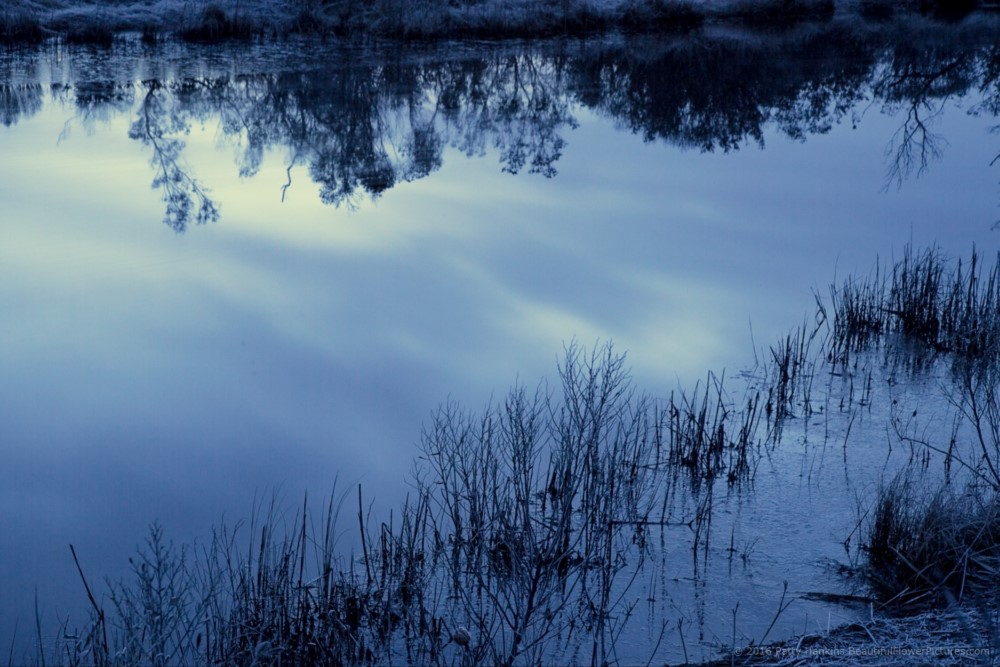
[
  {"x": 946, "y": 307},
  {"x": 933, "y": 550}
]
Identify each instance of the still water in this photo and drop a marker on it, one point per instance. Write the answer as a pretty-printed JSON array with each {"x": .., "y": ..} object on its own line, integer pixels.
[{"x": 230, "y": 270}]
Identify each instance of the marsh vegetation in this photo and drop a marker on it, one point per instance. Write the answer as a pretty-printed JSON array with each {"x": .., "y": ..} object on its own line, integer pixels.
[
  {"x": 582, "y": 520},
  {"x": 534, "y": 522}
]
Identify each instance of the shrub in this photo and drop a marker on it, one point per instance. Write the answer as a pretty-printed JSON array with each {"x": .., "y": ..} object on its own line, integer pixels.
[
  {"x": 19, "y": 27},
  {"x": 661, "y": 14},
  {"x": 216, "y": 25}
]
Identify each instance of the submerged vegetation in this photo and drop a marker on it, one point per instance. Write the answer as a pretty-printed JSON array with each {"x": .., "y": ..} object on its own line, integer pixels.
[
  {"x": 941, "y": 307},
  {"x": 98, "y": 21},
  {"x": 927, "y": 547},
  {"x": 933, "y": 550}
]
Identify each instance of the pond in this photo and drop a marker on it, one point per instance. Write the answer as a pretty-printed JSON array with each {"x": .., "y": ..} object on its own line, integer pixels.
[{"x": 232, "y": 271}]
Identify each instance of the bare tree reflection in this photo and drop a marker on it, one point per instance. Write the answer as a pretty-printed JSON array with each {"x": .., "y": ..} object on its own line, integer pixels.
[
  {"x": 156, "y": 121},
  {"x": 361, "y": 123},
  {"x": 918, "y": 83},
  {"x": 989, "y": 89}
]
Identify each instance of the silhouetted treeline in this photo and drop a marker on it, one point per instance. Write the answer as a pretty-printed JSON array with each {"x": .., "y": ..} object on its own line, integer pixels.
[{"x": 363, "y": 121}]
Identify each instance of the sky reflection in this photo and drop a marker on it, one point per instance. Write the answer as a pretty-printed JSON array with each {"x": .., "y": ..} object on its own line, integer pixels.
[{"x": 149, "y": 374}]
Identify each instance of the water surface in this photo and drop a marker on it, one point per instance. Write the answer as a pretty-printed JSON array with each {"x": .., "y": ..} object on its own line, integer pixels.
[{"x": 233, "y": 269}]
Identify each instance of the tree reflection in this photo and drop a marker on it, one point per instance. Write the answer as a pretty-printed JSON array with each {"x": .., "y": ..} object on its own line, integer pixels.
[
  {"x": 19, "y": 101},
  {"x": 157, "y": 120},
  {"x": 917, "y": 84},
  {"x": 363, "y": 123}
]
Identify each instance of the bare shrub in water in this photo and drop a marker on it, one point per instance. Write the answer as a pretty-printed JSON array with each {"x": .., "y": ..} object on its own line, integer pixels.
[
  {"x": 527, "y": 530},
  {"x": 534, "y": 504},
  {"x": 284, "y": 598}
]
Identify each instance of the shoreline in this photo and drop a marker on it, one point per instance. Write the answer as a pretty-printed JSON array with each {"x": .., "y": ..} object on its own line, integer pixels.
[
  {"x": 100, "y": 23},
  {"x": 965, "y": 634}
]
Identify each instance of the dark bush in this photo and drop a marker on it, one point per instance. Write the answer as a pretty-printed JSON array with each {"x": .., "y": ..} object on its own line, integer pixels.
[
  {"x": 215, "y": 26},
  {"x": 661, "y": 14},
  {"x": 19, "y": 28}
]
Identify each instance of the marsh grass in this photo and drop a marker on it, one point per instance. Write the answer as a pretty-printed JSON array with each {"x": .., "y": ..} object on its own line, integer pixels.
[
  {"x": 708, "y": 436},
  {"x": 531, "y": 518},
  {"x": 859, "y": 317},
  {"x": 527, "y": 529},
  {"x": 932, "y": 550},
  {"x": 271, "y": 592},
  {"x": 945, "y": 307}
]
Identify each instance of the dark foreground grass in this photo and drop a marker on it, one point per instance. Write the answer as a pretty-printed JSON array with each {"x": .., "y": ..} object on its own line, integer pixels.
[
  {"x": 933, "y": 550},
  {"x": 511, "y": 550},
  {"x": 937, "y": 547}
]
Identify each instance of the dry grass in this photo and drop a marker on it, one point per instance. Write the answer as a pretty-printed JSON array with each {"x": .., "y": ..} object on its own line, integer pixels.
[
  {"x": 220, "y": 20},
  {"x": 929, "y": 551},
  {"x": 955, "y": 637}
]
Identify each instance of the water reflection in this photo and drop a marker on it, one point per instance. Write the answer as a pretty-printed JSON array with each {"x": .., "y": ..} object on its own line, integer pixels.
[
  {"x": 17, "y": 101},
  {"x": 196, "y": 368},
  {"x": 161, "y": 120},
  {"x": 363, "y": 125}
]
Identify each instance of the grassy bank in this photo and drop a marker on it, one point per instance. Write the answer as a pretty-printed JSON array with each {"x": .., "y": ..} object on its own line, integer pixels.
[
  {"x": 929, "y": 559},
  {"x": 99, "y": 21}
]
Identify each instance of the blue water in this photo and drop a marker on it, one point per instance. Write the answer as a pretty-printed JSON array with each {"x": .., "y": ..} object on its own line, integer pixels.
[{"x": 149, "y": 373}]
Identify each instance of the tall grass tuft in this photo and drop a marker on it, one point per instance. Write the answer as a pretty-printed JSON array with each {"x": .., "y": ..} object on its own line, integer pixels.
[
  {"x": 925, "y": 551},
  {"x": 283, "y": 596},
  {"x": 859, "y": 317},
  {"x": 942, "y": 306}
]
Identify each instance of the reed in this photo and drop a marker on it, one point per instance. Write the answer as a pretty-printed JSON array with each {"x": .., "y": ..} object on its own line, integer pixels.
[
  {"x": 859, "y": 317},
  {"x": 941, "y": 306}
]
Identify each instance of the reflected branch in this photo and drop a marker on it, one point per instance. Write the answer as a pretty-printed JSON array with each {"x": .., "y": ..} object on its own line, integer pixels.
[
  {"x": 362, "y": 123},
  {"x": 19, "y": 101},
  {"x": 913, "y": 147},
  {"x": 182, "y": 193}
]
